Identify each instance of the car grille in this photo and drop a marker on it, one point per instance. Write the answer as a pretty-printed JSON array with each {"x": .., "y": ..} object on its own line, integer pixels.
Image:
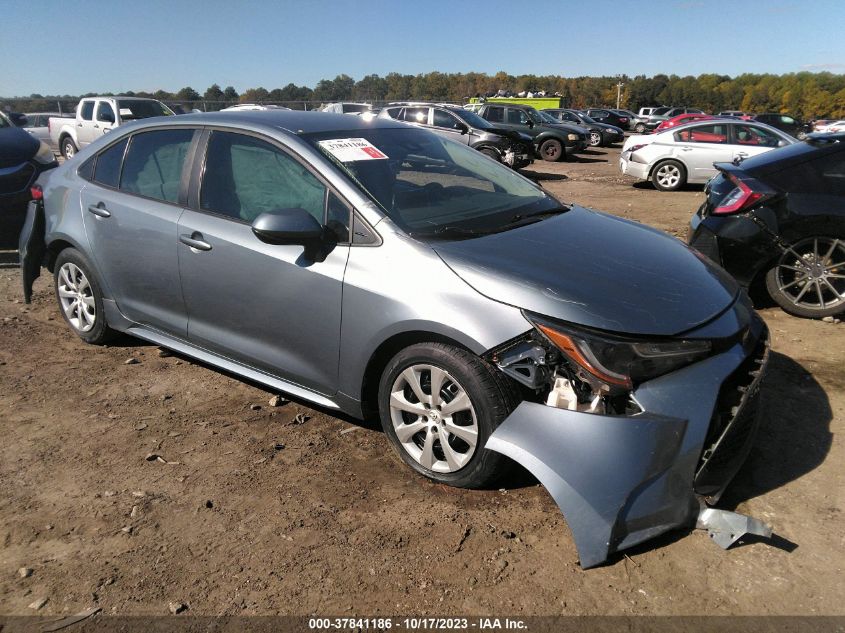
[
  {"x": 733, "y": 425},
  {"x": 16, "y": 179}
]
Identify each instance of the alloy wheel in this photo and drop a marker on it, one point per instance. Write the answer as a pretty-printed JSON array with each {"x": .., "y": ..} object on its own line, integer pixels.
[
  {"x": 433, "y": 418},
  {"x": 811, "y": 274},
  {"x": 77, "y": 297},
  {"x": 595, "y": 139},
  {"x": 669, "y": 176}
]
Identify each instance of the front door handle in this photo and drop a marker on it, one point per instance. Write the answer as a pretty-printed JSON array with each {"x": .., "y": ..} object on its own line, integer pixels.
[
  {"x": 99, "y": 210},
  {"x": 195, "y": 241}
]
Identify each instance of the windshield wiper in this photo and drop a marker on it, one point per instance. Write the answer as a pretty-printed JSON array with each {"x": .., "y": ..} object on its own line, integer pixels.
[
  {"x": 529, "y": 218},
  {"x": 449, "y": 231}
]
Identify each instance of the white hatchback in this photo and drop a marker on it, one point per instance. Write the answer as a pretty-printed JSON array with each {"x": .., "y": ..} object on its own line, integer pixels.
[{"x": 685, "y": 154}]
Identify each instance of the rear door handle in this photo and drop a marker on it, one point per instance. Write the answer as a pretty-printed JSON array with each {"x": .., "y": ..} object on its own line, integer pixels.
[
  {"x": 99, "y": 210},
  {"x": 194, "y": 240}
]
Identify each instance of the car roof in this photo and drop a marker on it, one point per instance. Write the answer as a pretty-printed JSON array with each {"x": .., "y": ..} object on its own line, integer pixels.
[{"x": 293, "y": 121}]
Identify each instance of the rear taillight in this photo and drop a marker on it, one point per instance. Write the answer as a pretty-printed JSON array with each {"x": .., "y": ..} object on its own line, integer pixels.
[
  {"x": 36, "y": 192},
  {"x": 740, "y": 198},
  {"x": 636, "y": 147}
]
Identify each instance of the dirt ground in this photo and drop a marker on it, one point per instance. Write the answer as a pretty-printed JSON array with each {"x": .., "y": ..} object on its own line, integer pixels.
[{"x": 253, "y": 513}]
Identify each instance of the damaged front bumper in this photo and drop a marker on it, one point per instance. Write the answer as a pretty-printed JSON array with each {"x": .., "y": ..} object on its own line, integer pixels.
[{"x": 620, "y": 480}]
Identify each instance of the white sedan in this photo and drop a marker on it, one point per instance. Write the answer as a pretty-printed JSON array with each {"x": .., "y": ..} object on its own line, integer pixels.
[
  {"x": 685, "y": 154},
  {"x": 830, "y": 127}
]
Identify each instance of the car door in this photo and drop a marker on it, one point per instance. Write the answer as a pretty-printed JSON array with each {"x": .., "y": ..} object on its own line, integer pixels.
[
  {"x": 273, "y": 307},
  {"x": 700, "y": 146},
  {"x": 131, "y": 206},
  {"x": 104, "y": 119},
  {"x": 749, "y": 140},
  {"x": 85, "y": 123}
]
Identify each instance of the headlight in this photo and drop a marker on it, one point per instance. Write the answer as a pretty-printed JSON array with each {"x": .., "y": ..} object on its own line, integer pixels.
[
  {"x": 572, "y": 137},
  {"x": 45, "y": 154},
  {"x": 621, "y": 361}
]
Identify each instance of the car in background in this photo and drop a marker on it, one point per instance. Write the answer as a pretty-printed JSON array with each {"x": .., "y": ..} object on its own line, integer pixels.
[
  {"x": 632, "y": 116},
  {"x": 23, "y": 158},
  {"x": 608, "y": 117},
  {"x": 648, "y": 111},
  {"x": 786, "y": 122},
  {"x": 38, "y": 124},
  {"x": 779, "y": 220},
  {"x": 552, "y": 141},
  {"x": 739, "y": 114},
  {"x": 600, "y": 134},
  {"x": 686, "y": 154},
  {"x": 381, "y": 270},
  {"x": 96, "y": 116},
  {"x": 249, "y": 107},
  {"x": 347, "y": 108},
  {"x": 680, "y": 120},
  {"x": 828, "y": 126},
  {"x": 660, "y": 115},
  {"x": 512, "y": 148}
]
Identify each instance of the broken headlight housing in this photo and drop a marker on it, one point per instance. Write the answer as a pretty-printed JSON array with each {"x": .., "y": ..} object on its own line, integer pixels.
[{"x": 615, "y": 363}]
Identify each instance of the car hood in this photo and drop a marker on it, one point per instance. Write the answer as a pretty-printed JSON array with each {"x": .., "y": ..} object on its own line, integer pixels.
[
  {"x": 16, "y": 146},
  {"x": 511, "y": 134},
  {"x": 595, "y": 270}
]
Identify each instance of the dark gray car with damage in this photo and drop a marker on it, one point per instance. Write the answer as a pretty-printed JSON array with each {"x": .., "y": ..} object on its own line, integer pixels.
[{"x": 376, "y": 268}]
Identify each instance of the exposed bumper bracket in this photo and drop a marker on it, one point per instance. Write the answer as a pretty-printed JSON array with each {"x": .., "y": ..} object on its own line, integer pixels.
[{"x": 726, "y": 528}]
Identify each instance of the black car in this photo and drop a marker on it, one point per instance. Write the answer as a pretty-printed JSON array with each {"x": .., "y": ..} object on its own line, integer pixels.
[
  {"x": 779, "y": 218},
  {"x": 601, "y": 134},
  {"x": 785, "y": 122},
  {"x": 605, "y": 115},
  {"x": 506, "y": 146},
  {"x": 22, "y": 159},
  {"x": 552, "y": 142}
]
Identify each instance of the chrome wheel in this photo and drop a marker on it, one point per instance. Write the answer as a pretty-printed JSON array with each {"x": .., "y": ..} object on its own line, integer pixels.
[
  {"x": 70, "y": 150},
  {"x": 811, "y": 274},
  {"x": 76, "y": 297},
  {"x": 668, "y": 176},
  {"x": 595, "y": 139},
  {"x": 433, "y": 418}
]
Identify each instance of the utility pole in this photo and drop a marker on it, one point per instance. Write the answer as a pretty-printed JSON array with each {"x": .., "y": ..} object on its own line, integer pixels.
[{"x": 619, "y": 85}]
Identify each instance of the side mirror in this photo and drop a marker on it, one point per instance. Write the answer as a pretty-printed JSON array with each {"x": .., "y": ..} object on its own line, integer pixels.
[
  {"x": 463, "y": 129},
  {"x": 288, "y": 226}
]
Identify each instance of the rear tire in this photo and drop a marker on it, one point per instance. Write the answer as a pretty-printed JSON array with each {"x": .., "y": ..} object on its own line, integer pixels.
[
  {"x": 69, "y": 148},
  {"x": 669, "y": 175},
  {"x": 639, "y": 128},
  {"x": 80, "y": 298},
  {"x": 551, "y": 150},
  {"x": 418, "y": 421},
  {"x": 806, "y": 282}
]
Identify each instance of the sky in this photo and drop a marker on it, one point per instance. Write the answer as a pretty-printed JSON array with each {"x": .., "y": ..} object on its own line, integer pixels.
[{"x": 83, "y": 46}]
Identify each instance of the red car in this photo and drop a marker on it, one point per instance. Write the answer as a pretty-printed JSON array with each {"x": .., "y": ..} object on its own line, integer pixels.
[{"x": 680, "y": 119}]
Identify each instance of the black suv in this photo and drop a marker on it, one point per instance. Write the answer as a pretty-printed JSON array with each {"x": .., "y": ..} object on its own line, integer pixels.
[
  {"x": 22, "y": 159},
  {"x": 506, "y": 146},
  {"x": 778, "y": 219},
  {"x": 601, "y": 134},
  {"x": 785, "y": 122},
  {"x": 552, "y": 142}
]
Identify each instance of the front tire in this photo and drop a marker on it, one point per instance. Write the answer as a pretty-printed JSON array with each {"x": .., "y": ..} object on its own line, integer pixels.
[
  {"x": 489, "y": 152},
  {"x": 595, "y": 139},
  {"x": 809, "y": 279},
  {"x": 439, "y": 404},
  {"x": 639, "y": 128},
  {"x": 552, "y": 150},
  {"x": 669, "y": 175},
  {"x": 69, "y": 148},
  {"x": 80, "y": 298}
]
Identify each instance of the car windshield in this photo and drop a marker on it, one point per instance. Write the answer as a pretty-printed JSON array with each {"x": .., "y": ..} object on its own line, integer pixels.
[
  {"x": 473, "y": 119},
  {"x": 432, "y": 186},
  {"x": 131, "y": 109},
  {"x": 586, "y": 119}
]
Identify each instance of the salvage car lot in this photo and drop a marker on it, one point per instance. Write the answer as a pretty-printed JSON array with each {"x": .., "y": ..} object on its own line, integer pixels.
[{"x": 264, "y": 515}]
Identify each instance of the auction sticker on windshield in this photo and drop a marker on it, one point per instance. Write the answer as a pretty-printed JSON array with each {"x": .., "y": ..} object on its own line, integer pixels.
[{"x": 348, "y": 150}]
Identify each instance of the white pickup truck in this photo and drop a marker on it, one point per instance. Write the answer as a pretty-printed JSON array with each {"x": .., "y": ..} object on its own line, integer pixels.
[{"x": 97, "y": 115}]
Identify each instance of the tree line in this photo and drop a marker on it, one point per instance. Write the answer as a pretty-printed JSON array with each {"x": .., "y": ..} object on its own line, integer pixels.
[{"x": 804, "y": 94}]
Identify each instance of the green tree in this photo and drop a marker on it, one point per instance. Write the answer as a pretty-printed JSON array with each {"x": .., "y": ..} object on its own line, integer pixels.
[
  {"x": 213, "y": 93},
  {"x": 230, "y": 94}
]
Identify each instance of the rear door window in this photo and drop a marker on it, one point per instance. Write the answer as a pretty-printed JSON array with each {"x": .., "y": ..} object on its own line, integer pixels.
[
  {"x": 154, "y": 162},
  {"x": 107, "y": 169},
  {"x": 704, "y": 134}
]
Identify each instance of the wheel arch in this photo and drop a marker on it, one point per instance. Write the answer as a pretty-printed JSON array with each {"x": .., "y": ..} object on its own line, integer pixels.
[
  {"x": 386, "y": 350},
  {"x": 663, "y": 159}
]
